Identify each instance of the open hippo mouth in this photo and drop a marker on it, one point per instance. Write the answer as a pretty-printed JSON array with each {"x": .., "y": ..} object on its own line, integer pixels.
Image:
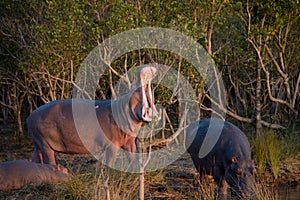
[
  {"x": 148, "y": 108},
  {"x": 137, "y": 106}
]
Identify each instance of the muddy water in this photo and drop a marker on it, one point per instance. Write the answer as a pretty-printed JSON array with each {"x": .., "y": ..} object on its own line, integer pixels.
[{"x": 287, "y": 193}]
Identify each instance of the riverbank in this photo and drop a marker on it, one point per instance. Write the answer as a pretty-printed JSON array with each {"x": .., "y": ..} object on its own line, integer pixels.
[
  {"x": 289, "y": 173},
  {"x": 177, "y": 181}
]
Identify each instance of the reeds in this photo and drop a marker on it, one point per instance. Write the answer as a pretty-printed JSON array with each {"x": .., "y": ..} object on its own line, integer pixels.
[{"x": 267, "y": 152}]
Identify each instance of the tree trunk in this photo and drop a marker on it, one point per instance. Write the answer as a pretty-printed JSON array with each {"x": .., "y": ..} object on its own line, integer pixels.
[
  {"x": 258, "y": 101},
  {"x": 140, "y": 145}
]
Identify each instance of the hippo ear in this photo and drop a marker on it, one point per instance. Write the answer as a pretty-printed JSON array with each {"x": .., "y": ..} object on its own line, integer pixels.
[{"x": 233, "y": 159}]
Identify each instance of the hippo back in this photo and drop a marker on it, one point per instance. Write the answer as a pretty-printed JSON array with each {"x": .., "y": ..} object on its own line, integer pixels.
[{"x": 231, "y": 138}]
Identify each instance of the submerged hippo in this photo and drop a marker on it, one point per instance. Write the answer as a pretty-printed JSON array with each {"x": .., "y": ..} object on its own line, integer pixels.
[
  {"x": 18, "y": 173},
  {"x": 228, "y": 161}
]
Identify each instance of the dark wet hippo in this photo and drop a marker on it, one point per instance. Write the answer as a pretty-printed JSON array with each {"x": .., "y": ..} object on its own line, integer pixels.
[{"x": 228, "y": 159}]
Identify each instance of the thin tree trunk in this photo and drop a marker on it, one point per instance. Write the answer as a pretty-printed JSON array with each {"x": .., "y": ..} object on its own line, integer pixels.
[
  {"x": 258, "y": 101},
  {"x": 142, "y": 170},
  {"x": 142, "y": 184}
]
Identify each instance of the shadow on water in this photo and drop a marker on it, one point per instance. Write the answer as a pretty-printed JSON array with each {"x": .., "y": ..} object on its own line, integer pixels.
[{"x": 286, "y": 192}]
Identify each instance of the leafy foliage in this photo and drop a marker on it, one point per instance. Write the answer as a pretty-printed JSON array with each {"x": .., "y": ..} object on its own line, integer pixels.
[{"x": 44, "y": 42}]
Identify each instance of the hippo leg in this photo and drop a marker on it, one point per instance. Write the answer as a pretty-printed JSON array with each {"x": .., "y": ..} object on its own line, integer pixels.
[
  {"x": 37, "y": 155},
  {"x": 48, "y": 156},
  {"x": 130, "y": 148}
]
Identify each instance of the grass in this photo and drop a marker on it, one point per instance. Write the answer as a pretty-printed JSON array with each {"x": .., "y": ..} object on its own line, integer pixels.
[
  {"x": 208, "y": 190},
  {"x": 267, "y": 152},
  {"x": 86, "y": 181},
  {"x": 290, "y": 144},
  {"x": 78, "y": 187},
  {"x": 274, "y": 153},
  {"x": 262, "y": 192},
  {"x": 122, "y": 185},
  {"x": 88, "y": 185}
]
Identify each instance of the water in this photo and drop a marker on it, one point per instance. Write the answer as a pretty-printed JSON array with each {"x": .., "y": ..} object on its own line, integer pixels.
[{"x": 287, "y": 193}]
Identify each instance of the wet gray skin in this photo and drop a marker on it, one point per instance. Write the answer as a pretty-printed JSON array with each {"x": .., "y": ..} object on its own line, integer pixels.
[{"x": 229, "y": 161}]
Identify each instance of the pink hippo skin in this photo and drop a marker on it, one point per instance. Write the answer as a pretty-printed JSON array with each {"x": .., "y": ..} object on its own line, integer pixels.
[
  {"x": 52, "y": 127},
  {"x": 18, "y": 173}
]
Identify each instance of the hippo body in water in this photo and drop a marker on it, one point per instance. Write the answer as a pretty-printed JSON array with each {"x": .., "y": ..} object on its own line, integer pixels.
[{"x": 228, "y": 161}]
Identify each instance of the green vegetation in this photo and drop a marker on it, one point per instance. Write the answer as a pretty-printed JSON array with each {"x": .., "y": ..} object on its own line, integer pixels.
[
  {"x": 262, "y": 192},
  {"x": 269, "y": 150},
  {"x": 255, "y": 45}
]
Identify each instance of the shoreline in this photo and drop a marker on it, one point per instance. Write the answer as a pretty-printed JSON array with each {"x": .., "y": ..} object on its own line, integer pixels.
[{"x": 288, "y": 175}]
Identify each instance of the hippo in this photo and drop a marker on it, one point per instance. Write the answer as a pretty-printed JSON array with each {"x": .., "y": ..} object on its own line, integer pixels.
[
  {"x": 229, "y": 160},
  {"x": 52, "y": 126},
  {"x": 18, "y": 173}
]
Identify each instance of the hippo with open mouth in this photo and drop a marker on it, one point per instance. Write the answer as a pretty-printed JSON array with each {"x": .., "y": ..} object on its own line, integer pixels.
[{"x": 53, "y": 127}]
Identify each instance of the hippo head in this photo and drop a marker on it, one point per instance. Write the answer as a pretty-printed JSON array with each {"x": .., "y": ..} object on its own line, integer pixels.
[
  {"x": 136, "y": 108},
  {"x": 239, "y": 175}
]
